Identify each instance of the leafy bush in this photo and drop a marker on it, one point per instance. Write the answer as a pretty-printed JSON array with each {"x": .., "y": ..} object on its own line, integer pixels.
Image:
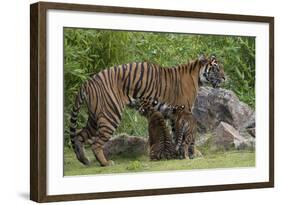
[{"x": 88, "y": 51}]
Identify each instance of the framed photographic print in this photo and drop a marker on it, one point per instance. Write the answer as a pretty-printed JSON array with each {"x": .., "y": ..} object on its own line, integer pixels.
[{"x": 135, "y": 102}]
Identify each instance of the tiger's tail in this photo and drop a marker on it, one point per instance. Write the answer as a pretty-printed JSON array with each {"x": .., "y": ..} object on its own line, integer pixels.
[
  {"x": 76, "y": 140},
  {"x": 179, "y": 135}
]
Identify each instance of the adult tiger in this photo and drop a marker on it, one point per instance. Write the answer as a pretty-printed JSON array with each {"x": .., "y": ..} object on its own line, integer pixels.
[{"x": 109, "y": 91}]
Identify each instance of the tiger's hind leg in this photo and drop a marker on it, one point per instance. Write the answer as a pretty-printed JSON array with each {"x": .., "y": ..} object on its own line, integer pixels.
[
  {"x": 105, "y": 131},
  {"x": 78, "y": 146},
  {"x": 84, "y": 136},
  {"x": 97, "y": 148}
]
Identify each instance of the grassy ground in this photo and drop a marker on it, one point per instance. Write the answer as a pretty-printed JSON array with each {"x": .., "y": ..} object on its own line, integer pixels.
[{"x": 142, "y": 164}]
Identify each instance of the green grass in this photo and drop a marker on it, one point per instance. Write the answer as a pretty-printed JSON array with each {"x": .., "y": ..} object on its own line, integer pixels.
[{"x": 123, "y": 164}]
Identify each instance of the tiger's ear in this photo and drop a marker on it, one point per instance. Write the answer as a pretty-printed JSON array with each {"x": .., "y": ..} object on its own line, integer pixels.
[
  {"x": 202, "y": 59},
  {"x": 213, "y": 58}
]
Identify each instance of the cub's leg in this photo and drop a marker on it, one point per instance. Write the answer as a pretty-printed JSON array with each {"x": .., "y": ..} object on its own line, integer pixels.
[
  {"x": 191, "y": 152},
  {"x": 181, "y": 153},
  {"x": 156, "y": 153},
  {"x": 186, "y": 151}
]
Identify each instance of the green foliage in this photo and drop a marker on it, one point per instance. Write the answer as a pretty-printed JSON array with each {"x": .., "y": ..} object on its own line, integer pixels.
[
  {"x": 133, "y": 124},
  {"x": 88, "y": 51},
  {"x": 134, "y": 165}
]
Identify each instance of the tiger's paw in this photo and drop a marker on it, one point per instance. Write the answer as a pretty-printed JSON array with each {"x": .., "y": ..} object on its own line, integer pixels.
[
  {"x": 110, "y": 163},
  {"x": 86, "y": 162}
]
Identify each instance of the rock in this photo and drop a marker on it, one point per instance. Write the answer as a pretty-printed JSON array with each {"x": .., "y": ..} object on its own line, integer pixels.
[
  {"x": 214, "y": 105},
  {"x": 252, "y": 131},
  {"x": 126, "y": 146},
  {"x": 227, "y": 136},
  {"x": 249, "y": 140},
  {"x": 250, "y": 123},
  {"x": 250, "y": 126},
  {"x": 202, "y": 139}
]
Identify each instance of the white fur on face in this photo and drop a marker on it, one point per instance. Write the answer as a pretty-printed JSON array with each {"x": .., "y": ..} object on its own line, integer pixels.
[
  {"x": 163, "y": 108},
  {"x": 202, "y": 78}
]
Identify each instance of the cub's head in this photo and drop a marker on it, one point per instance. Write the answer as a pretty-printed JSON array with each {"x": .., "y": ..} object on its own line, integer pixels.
[
  {"x": 211, "y": 71},
  {"x": 178, "y": 108},
  {"x": 146, "y": 106}
]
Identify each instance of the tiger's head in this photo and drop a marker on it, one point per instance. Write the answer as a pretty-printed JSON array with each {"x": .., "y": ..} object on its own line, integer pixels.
[{"x": 211, "y": 71}]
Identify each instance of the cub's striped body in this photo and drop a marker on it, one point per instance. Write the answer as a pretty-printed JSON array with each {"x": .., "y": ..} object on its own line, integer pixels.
[
  {"x": 107, "y": 93},
  {"x": 185, "y": 129},
  {"x": 160, "y": 140}
]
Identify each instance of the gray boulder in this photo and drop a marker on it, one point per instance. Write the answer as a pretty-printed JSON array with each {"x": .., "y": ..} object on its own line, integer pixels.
[
  {"x": 251, "y": 131},
  {"x": 127, "y": 146},
  {"x": 213, "y": 106},
  {"x": 227, "y": 136}
]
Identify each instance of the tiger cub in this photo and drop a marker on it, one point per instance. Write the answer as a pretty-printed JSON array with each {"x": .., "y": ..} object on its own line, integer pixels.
[
  {"x": 185, "y": 129},
  {"x": 160, "y": 140}
]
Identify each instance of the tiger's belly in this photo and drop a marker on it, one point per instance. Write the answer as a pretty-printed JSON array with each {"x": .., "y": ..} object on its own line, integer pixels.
[{"x": 164, "y": 108}]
